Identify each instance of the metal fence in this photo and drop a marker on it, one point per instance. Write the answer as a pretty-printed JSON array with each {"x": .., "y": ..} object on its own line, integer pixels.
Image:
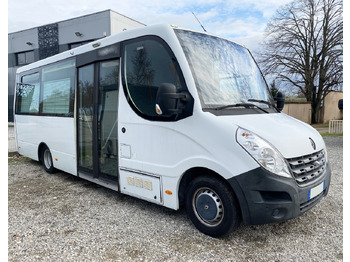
[{"x": 335, "y": 127}]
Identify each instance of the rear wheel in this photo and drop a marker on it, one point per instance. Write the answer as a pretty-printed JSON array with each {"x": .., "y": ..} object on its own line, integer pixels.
[
  {"x": 212, "y": 206},
  {"x": 46, "y": 159}
]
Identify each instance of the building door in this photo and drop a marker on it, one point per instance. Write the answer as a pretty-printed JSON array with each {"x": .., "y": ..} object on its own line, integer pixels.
[{"x": 97, "y": 119}]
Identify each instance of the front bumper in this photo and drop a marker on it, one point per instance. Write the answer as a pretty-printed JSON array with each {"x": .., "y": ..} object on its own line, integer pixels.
[{"x": 266, "y": 198}]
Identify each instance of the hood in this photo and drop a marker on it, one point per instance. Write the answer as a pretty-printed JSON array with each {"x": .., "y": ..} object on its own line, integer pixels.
[{"x": 290, "y": 136}]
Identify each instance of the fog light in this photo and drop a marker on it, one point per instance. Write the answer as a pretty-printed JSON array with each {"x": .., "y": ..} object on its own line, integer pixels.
[{"x": 279, "y": 213}]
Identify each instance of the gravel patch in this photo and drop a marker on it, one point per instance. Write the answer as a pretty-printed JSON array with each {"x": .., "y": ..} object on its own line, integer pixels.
[{"x": 60, "y": 217}]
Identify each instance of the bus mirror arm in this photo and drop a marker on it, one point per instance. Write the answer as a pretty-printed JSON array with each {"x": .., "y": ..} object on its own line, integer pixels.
[
  {"x": 280, "y": 99},
  {"x": 168, "y": 102}
]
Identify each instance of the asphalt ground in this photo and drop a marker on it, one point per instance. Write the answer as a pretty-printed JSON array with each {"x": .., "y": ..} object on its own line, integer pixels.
[{"x": 60, "y": 217}]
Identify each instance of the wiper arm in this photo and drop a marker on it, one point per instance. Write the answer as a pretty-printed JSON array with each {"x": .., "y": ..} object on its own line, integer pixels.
[
  {"x": 261, "y": 101},
  {"x": 247, "y": 105},
  {"x": 264, "y": 102}
]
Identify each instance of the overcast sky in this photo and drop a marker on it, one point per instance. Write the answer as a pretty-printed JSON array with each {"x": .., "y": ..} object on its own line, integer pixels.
[{"x": 243, "y": 21}]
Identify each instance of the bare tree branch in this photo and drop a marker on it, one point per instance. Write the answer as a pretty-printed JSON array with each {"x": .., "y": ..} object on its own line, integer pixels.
[{"x": 304, "y": 48}]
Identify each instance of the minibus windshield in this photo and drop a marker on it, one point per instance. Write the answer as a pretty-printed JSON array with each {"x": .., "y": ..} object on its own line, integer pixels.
[{"x": 225, "y": 73}]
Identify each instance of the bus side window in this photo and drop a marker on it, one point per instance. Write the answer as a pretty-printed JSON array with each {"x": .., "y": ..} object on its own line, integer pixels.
[
  {"x": 148, "y": 64},
  {"x": 27, "y": 95},
  {"x": 58, "y": 88}
]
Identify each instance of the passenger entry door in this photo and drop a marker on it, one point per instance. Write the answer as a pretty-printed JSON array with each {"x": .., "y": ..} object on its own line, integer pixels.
[{"x": 97, "y": 120}]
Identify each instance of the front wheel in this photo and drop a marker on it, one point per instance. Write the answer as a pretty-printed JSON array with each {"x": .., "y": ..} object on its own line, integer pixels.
[
  {"x": 46, "y": 159},
  {"x": 212, "y": 206}
]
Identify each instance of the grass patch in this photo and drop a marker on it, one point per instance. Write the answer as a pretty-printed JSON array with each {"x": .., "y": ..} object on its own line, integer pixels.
[
  {"x": 13, "y": 154},
  {"x": 328, "y": 134},
  {"x": 296, "y": 100},
  {"x": 14, "y": 157},
  {"x": 326, "y": 125}
]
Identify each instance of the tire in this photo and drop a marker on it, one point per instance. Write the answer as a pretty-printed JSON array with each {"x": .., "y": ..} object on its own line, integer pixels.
[
  {"x": 212, "y": 206},
  {"x": 46, "y": 159}
]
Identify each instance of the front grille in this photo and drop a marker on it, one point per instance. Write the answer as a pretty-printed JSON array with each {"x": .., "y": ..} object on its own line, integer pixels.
[{"x": 308, "y": 168}]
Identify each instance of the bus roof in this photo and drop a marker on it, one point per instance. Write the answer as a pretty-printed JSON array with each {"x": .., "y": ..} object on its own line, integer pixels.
[
  {"x": 158, "y": 30},
  {"x": 164, "y": 31}
]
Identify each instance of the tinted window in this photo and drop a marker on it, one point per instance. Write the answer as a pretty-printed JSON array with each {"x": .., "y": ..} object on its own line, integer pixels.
[
  {"x": 25, "y": 58},
  {"x": 85, "y": 115},
  {"x": 108, "y": 137},
  {"x": 21, "y": 59},
  {"x": 58, "y": 88},
  {"x": 148, "y": 64},
  {"x": 27, "y": 94},
  {"x": 74, "y": 45}
]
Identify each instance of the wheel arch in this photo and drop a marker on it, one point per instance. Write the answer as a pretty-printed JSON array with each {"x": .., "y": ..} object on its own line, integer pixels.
[
  {"x": 41, "y": 147},
  {"x": 194, "y": 172}
]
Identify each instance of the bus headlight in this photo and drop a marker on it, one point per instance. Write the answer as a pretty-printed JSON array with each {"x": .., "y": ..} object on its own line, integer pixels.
[{"x": 263, "y": 152}]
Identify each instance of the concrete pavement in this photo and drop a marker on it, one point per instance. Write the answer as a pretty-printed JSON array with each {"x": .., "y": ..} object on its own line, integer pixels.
[{"x": 11, "y": 138}]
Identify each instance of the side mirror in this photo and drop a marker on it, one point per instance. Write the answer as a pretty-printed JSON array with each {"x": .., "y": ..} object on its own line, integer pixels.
[
  {"x": 340, "y": 104},
  {"x": 168, "y": 101},
  {"x": 280, "y": 99}
]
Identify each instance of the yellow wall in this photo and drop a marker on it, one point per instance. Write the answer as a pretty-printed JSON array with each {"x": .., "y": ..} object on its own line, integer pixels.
[
  {"x": 302, "y": 110},
  {"x": 330, "y": 110}
]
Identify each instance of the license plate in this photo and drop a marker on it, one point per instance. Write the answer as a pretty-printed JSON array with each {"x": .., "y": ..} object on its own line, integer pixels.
[{"x": 316, "y": 190}]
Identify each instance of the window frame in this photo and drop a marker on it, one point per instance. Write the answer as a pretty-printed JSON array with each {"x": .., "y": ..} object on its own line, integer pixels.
[
  {"x": 78, "y": 44},
  {"x": 20, "y": 77},
  {"x": 70, "y": 114},
  {"x": 25, "y": 57},
  {"x": 71, "y": 100},
  {"x": 188, "y": 109}
]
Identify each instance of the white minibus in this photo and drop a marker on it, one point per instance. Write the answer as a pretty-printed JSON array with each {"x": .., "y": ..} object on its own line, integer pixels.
[{"x": 174, "y": 117}]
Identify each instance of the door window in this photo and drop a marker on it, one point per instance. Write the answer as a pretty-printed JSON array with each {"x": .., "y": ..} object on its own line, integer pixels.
[
  {"x": 148, "y": 64},
  {"x": 85, "y": 116},
  {"x": 108, "y": 117}
]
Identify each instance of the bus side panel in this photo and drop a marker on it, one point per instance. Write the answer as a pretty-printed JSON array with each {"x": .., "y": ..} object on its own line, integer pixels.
[
  {"x": 26, "y": 131},
  {"x": 56, "y": 132}
]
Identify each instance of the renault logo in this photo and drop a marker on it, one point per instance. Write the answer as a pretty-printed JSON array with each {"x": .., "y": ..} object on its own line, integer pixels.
[
  {"x": 317, "y": 163},
  {"x": 312, "y": 143}
]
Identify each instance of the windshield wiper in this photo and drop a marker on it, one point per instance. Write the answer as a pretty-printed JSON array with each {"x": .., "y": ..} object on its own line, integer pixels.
[
  {"x": 260, "y": 101},
  {"x": 263, "y": 102},
  {"x": 246, "y": 105}
]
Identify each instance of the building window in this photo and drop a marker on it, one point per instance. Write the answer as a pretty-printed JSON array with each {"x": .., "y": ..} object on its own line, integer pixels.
[
  {"x": 25, "y": 58},
  {"x": 74, "y": 45}
]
